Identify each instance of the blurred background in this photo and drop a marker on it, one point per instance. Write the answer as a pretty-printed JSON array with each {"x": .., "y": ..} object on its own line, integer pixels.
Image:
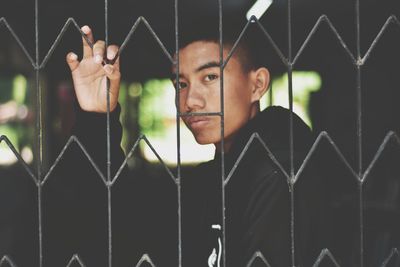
[{"x": 324, "y": 88}]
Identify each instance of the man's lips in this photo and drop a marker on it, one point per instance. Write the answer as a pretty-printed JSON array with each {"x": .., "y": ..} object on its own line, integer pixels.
[{"x": 196, "y": 122}]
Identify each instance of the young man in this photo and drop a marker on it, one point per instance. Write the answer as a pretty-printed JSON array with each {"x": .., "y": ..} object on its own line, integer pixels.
[{"x": 257, "y": 197}]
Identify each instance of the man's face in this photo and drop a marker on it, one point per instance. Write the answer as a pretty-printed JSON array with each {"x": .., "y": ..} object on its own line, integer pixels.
[{"x": 200, "y": 92}]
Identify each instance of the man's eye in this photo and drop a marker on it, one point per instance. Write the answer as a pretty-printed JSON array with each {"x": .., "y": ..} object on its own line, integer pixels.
[
  {"x": 182, "y": 85},
  {"x": 211, "y": 77}
]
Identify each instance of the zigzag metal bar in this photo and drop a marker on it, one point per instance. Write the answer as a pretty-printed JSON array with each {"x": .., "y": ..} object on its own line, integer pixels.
[
  {"x": 277, "y": 50},
  {"x": 143, "y": 259},
  {"x": 18, "y": 156},
  {"x": 253, "y": 19},
  {"x": 70, "y": 140},
  {"x": 325, "y": 19},
  {"x": 236, "y": 43},
  {"x": 391, "y": 19},
  {"x": 393, "y": 253},
  {"x": 243, "y": 153},
  {"x": 259, "y": 255},
  {"x": 391, "y": 135},
  {"x": 126, "y": 160},
  {"x": 325, "y": 253},
  {"x": 315, "y": 146},
  {"x": 7, "y": 259},
  {"x": 77, "y": 259},
  {"x": 132, "y": 31},
  {"x": 4, "y": 21},
  {"x": 59, "y": 37},
  {"x": 143, "y": 137}
]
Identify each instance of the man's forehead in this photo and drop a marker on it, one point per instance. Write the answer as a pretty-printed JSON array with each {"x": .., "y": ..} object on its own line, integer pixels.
[{"x": 198, "y": 54}]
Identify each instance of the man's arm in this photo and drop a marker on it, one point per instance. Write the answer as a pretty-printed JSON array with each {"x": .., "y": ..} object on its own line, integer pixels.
[
  {"x": 75, "y": 198},
  {"x": 90, "y": 74}
]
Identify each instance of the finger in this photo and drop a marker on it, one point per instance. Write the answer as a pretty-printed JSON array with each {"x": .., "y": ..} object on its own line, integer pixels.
[
  {"x": 112, "y": 73},
  {"x": 72, "y": 60},
  {"x": 116, "y": 63},
  {"x": 113, "y": 55},
  {"x": 114, "y": 76},
  {"x": 112, "y": 52},
  {"x": 87, "y": 48},
  {"x": 98, "y": 51}
]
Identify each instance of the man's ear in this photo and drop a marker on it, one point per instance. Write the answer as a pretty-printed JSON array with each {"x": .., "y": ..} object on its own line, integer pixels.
[{"x": 260, "y": 80}]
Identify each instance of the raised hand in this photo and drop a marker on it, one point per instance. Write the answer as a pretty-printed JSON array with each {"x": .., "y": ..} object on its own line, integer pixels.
[{"x": 90, "y": 74}]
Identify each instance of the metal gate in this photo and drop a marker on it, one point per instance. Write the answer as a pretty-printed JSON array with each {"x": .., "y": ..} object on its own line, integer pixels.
[{"x": 289, "y": 60}]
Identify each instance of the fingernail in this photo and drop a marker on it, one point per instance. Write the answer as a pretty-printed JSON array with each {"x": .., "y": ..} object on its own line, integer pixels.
[
  {"x": 109, "y": 69},
  {"x": 73, "y": 56},
  {"x": 85, "y": 29},
  {"x": 98, "y": 59},
  {"x": 110, "y": 55}
]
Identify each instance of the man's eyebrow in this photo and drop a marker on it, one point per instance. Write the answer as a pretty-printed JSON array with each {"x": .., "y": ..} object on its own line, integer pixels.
[{"x": 211, "y": 64}]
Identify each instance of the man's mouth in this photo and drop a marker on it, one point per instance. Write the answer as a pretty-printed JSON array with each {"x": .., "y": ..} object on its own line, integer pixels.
[{"x": 197, "y": 122}]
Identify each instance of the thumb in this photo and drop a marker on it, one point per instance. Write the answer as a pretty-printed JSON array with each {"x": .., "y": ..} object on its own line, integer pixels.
[
  {"x": 112, "y": 73},
  {"x": 72, "y": 61},
  {"x": 114, "y": 76}
]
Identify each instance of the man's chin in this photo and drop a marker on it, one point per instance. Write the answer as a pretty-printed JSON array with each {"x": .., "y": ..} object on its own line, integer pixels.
[{"x": 205, "y": 140}]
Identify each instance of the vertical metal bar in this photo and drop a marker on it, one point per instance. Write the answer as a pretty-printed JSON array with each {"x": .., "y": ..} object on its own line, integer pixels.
[
  {"x": 109, "y": 224},
  {"x": 291, "y": 142},
  {"x": 359, "y": 128},
  {"x": 39, "y": 130},
  {"x": 221, "y": 60},
  {"x": 39, "y": 122},
  {"x": 290, "y": 87},
  {"x": 271, "y": 94},
  {"x": 359, "y": 97},
  {"x": 358, "y": 33},
  {"x": 292, "y": 223},
  {"x": 39, "y": 198},
  {"x": 108, "y": 95},
  {"x": 109, "y": 184},
  {"x": 361, "y": 197},
  {"x": 178, "y": 135}
]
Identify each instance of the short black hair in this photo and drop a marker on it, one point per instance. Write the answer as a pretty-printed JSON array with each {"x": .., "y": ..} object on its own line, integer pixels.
[{"x": 247, "y": 50}]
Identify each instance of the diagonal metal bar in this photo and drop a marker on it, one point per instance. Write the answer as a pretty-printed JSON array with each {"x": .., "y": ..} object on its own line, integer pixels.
[
  {"x": 69, "y": 142},
  {"x": 390, "y": 20},
  {"x": 324, "y": 19},
  {"x": 152, "y": 32},
  {"x": 390, "y": 136},
  {"x": 18, "y": 156},
  {"x": 253, "y": 20},
  {"x": 325, "y": 253},
  {"x": 321, "y": 136},
  {"x": 394, "y": 252},
  {"x": 145, "y": 258},
  {"x": 15, "y": 36},
  {"x": 260, "y": 256},
  {"x": 233, "y": 49},
  {"x": 144, "y": 138},
  {"x": 126, "y": 159},
  {"x": 255, "y": 136},
  {"x": 77, "y": 259},
  {"x": 7, "y": 259},
  {"x": 60, "y": 36},
  {"x": 285, "y": 61}
]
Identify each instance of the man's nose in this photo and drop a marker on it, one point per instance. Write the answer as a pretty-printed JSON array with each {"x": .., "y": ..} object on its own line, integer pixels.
[{"x": 195, "y": 99}]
